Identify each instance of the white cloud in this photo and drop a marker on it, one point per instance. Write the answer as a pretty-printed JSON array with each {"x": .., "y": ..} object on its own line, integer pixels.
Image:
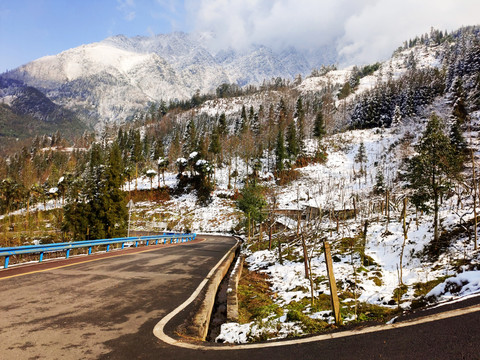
[
  {"x": 379, "y": 28},
  {"x": 363, "y": 31}
]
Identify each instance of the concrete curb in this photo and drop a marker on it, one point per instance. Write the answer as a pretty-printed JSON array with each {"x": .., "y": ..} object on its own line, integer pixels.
[
  {"x": 232, "y": 295},
  {"x": 197, "y": 328}
]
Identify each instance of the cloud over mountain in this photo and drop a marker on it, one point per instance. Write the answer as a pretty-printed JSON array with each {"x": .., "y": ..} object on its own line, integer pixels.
[{"x": 362, "y": 31}]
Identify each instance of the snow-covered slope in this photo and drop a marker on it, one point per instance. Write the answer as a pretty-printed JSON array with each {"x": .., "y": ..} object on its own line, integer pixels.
[
  {"x": 420, "y": 57},
  {"x": 110, "y": 80}
]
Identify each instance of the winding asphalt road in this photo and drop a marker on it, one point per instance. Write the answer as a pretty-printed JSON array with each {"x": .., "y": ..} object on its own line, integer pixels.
[{"x": 106, "y": 307}]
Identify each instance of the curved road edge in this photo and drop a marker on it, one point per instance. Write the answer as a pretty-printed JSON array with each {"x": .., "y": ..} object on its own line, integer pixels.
[
  {"x": 213, "y": 279},
  {"x": 159, "y": 331}
]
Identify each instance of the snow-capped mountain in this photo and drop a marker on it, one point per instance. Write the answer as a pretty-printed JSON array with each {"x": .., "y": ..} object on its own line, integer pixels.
[{"x": 111, "y": 80}]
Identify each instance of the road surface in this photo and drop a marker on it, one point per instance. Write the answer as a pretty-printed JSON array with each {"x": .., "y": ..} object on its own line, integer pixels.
[{"x": 107, "y": 309}]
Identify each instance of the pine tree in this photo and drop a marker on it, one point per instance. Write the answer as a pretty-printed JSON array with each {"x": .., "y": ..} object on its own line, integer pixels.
[
  {"x": 379, "y": 187},
  {"x": 190, "y": 140},
  {"x": 459, "y": 146},
  {"x": 96, "y": 206},
  {"x": 459, "y": 110},
  {"x": 300, "y": 116},
  {"x": 397, "y": 117},
  {"x": 244, "y": 125},
  {"x": 215, "y": 146},
  {"x": 159, "y": 150},
  {"x": 292, "y": 144},
  {"x": 222, "y": 125},
  {"x": 114, "y": 200},
  {"x": 136, "y": 150},
  {"x": 361, "y": 157},
  {"x": 252, "y": 202},
  {"x": 280, "y": 151},
  {"x": 282, "y": 114},
  {"x": 430, "y": 171},
  {"x": 319, "y": 126}
]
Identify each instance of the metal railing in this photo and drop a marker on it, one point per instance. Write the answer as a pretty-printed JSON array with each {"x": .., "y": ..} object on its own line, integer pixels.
[{"x": 170, "y": 238}]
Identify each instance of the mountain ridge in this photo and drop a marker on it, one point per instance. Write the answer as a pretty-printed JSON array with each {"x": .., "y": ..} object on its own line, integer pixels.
[{"x": 136, "y": 71}]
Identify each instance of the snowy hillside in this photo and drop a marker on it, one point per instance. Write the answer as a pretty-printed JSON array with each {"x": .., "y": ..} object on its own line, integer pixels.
[
  {"x": 333, "y": 187},
  {"x": 110, "y": 80},
  {"x": 381, "y": 161}
]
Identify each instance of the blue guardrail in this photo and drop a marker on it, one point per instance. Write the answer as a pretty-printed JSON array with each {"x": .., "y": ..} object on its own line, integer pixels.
[{"x": 165, "y": 238}]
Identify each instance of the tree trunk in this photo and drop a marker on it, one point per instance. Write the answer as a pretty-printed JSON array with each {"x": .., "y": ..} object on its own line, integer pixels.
[
  {"x": 136, "y": 176},
  {"x": 270, "y": 235},
  {"x": 249, "y": 228},
  {"x": 405, "y": 236},
  {"x": 354, "y": 208},
  {"x": 312, "y": 284},
  {"x": 229, "y": 174},
  {"x": 364, "y": 240},
  {"x": 280, "y": 258},
  {"x": 305, "y": 257},
  {"x": 387, "y": 208},
  {"x": 474, "y": 201},
  {"x": 298, "y": 222},
  {"x": 435, "y": 217}
]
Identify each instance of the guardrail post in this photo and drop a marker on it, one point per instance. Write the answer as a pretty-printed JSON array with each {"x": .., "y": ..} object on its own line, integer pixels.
[
  {"x": 90, "y": 250},
  {"x": 147, "y": 242},
  {"x": 108, "y": 247},
  {"x": 7, "y": 259},
  {"x": 156, "y": 242},
  {"x": 67, "y": 254},
  {"x": 123, "y": 245},
  {"x": 41, "y": 257},
  {"x": 136, "y": 243}
]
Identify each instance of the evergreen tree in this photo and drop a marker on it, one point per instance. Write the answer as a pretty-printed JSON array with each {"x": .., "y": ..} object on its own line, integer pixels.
[
  {"x": 136, "y": 151},
  {"x": 244, "y": 125},
  {"x": 76, "y": 211},
  {"x": 202, "y": 147},
  {"x": 282, "y": 114},
  {"x": 430, "y": 171},
  {"x": 361, "y": 156},
  {"x": 159, "y": 150},
  {"x": 300, "y": 116},
  {"x": 96, "y": 206},
  {"x": 319, "y": 126},
  {"x": 460, "y": 111},
  {"x": 114, "y": 203},
  {"x": 459, "y": 146},
  {"x": 215, "y": 146},
  {"x": 292, "y": 144},
  {"x": 280, "y": 151},
  {"x": 222, "y": 125},
  {"x": 252, "y": 202},
  {"x": 251, "y": 114},
  {"x": 255, "y": 124},
  {"x": 190, "y": 140},
  {"x": 379, "y": 187},
  {"x": 397, "y": 117}
]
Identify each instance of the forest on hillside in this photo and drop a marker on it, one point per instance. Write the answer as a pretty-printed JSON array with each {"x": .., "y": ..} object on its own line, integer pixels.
[{"x": 264, "y": 128}]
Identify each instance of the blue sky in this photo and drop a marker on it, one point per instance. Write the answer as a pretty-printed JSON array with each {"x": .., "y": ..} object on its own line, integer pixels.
[
  {"x": 30, "y": 29},
  {"x": 363, "y": 31}
]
